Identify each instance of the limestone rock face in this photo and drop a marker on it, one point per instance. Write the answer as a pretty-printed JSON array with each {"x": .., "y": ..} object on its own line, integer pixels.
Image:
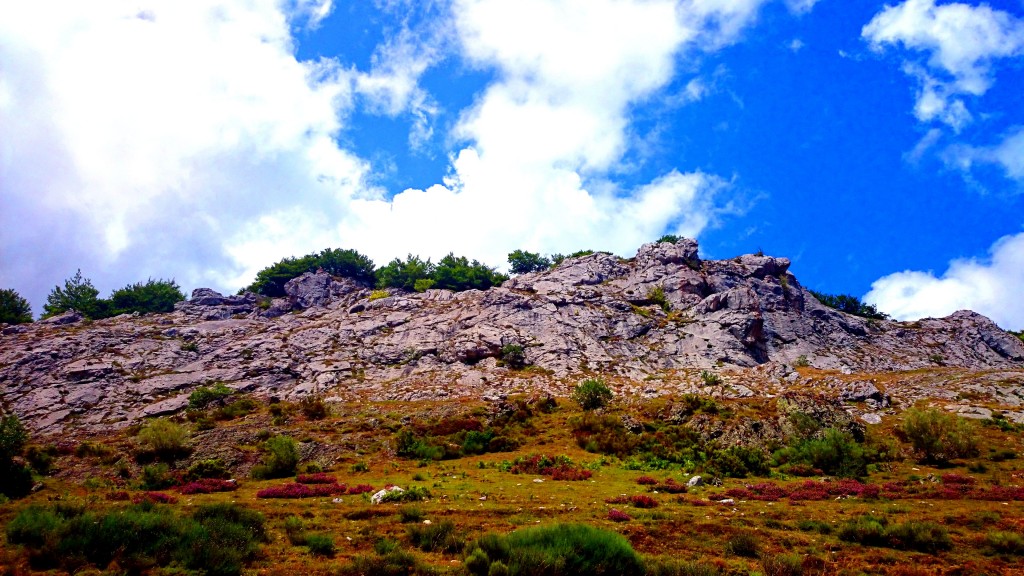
[{"x": 650, "y": 324}]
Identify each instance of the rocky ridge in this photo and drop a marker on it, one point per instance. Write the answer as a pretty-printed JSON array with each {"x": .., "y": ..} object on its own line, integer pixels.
[{"x": 650, "y": 324}]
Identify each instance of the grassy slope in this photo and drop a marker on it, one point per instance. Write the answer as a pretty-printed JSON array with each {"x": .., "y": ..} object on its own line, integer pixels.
[{"x": 474, "y": 494}]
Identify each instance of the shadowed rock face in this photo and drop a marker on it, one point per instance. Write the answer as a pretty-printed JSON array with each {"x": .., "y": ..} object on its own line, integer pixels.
[{"x": 662, "y": 313}]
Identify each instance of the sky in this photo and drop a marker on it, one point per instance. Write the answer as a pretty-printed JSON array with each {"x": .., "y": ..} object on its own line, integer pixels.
[{"x": 879, "y": 146}]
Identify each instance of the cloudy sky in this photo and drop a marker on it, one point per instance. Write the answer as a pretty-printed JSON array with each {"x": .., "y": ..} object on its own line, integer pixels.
[{"x": 880, "y": 146}]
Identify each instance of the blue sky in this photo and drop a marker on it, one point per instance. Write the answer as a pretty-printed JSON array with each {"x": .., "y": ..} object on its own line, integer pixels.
[{"x": 879, "y": 146}]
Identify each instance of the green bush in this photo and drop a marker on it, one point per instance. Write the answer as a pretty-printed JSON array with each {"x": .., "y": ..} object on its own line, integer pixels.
[
  {"x": 337, "y": 262},
  {"x": 280, "y": 458},
  {"x": 835, "y": 453},
  {"x": 157, "y": 477},
  {"x": 514, "y": 356},
  {"x": 320, "y": 544},
  {"x": 592, "y": 394},
  {"x": 1001, "y": 542},
  {"x": 738, "y": 462},
  {"x": 210, "y": 468},
  {"x": 203, "y": 396},
  {"x": 457, "y": 273},
  {"x": 554, "y": 550},
  {"x": 743, "y": 544},
  {"x": 164, "y": 440},
  {"x": 404, "y": 274},
  {"x": 709, "y": 378},
  {"x": 13, "y": 308},
  {"x": 216, "y": 539},
  {"x": 656, "y": 295},
  {"x": 153, "y": 296},
  {"x": 921, "y": 536},
  {"x": 939, "y": 437},
  {"x": 866, "y": 530},
  {"x": 850, "y": 305},
  {"x": 393, "y": 562},
  {"x": 521, "y": 262},
  {"x": 669, "y": 238},
  {"x": 782, "y": 565},
  {"x": 314, "y": 408},
  {"x": 78, "y": 294},
  {"x": 15, "y": 478}
]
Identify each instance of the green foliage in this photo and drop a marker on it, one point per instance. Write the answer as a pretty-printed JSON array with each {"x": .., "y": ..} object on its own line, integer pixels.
[
  {"x": 514, "y": 356},
  {"x": 423, "y": 284},
  {"x": 738, "y": 462},
  {"x": 441, "y": 537},
  {"x": 592, "y": 394},
  {"x": 1001, "y": 542},
  {"x": 413, "y": 494},
  {"x": 13, "y": 308},
  {"x": 280, "y": 458},
  {"x": 1018, "y": 334},
  {"x": 554, "y": 550},
  {"x": 389, "y": 561},
  {"x": 153, "y": 296},
  {"x": 521, "y": 262},
  {"x": 411, "y": 514},
  {"x": 710, "y": 378},
  {"x": 404, "y": 274},
  {"x": 670, "y": 238},
  {"x": 337, "y": 262},
  {"x": 939, "y": 437},
  {"x": 314, "y": 407},
  {"x": 850, "y": 305},
  {"x": 203, "y": 396},
  {"x": 157, "y": 477},
  {"x": 458, "y": 273},
  {"x": 743, "y": 544},
  {"x": 78, "y": 294},
  {"x": 210, "y": 468},
  {"x": 320, "y": 544},
  {"x": 162, "y": 439},
  {"x": 557, "y": 259},
  {"x": 216, "y": 539},
  {"x": 836, "y": 453},
  {"x": 15, "y": 478},
  {"x": 656, "y": 295}
]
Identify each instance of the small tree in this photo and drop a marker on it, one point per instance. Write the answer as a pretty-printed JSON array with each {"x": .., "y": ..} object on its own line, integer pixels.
[
  {"x": 939, "y": 437},
  {"x": 592, "y": 394},
  {"x": 405, "y": 274},
  {"x": 280, "y": 459},
  {"x": 78, "y": 294},
  {"x": 153, "y": 296},
  {"x": 521, "y": 262},
  {"x": 15, "y": 478},
  {"x": 13, "y": 308}
]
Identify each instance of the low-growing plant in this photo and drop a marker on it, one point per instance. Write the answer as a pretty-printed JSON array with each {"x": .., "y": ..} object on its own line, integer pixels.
[
  {"x": 616, "y": 515},
  {"x": 937, "y": 436},
  {"x": 709, "y": 378},
  {"x": 280, "y": 458},
  {"x": 162, "y": 439},
  {"x": 410, "y": 514},
  {"x": 1003, "y": 542},
  {"x": 441, "y": 537},
  {"x": 592, "y": 394},
  {"x": 203, "y": 396},
  {"x": 743, "y": 544},
  {"x": 554, "y": 550},
  {"x": 314, "y": 408},
  {"x": 320, "y": 544}
]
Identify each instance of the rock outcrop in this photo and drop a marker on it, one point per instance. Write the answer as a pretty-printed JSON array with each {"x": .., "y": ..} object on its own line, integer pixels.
[{"x": 652, "y": 323}]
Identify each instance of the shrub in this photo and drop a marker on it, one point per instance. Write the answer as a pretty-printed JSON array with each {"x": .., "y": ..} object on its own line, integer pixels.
[
  {"x": 743, "y": 544},
  {"x": 158, "y": 476},
  {"x": 413, "y": 494},
  {"x": 314, "y": 408},
  {"x": 669, "y": 238},
  {"x": 1000, "y": 542},
  {"x": 399, "y": 274},
  {"x": 421, "y": 285},
  {"x": 782, "y": 565},
  {"x": 393, "y": 562},
  {"x": 850, "y": 305},
  {"x": 458, "y": 273},
  {"x": 514, "y": 356},
  {"x": 337, "y": 262},
  {"x": 280, "y": 458},
  {"x": 643, "y": 501},
  {"x": 710, "y": 378},
  {"x": 410, "y": 514},
  {"x": 162, "y": 439},
  {"x": 320, "y": 544},
  {"x": 616, "y": 515},
  {"x": 738, "y": 461},
  {"x": 436, "y": 537},
  {"x": 555, "y": 550},
  {"x": 210, "y": 468},
  {"x": 77, "y": 294},
  {"x": 208, "y": 486},
  {"x": 592, "y": 394},
  {"x": 646, "y": 481},
  {"x": 203, "y": 396},
  {"x": 835, "y": 453},
  {"x": 921, "y": 536},
  {"x": 656, "y": 295},
  {"x": 939, "y": 437},
  {"x": 153, "y": 296},
  {"x": 13, "y": 308},
  {"x": 521, "y": 262},
  {"x": 867, "y": 530}
]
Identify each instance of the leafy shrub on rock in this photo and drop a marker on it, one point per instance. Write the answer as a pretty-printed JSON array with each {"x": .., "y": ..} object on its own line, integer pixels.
[
  {"x": 77, "y": 294},
  {"x": 280, "y": 458},
  {"x": 13, "y": 308},
  {"x": 153, "y": 296},
  {"x": 15, "y": 478},
  {"x": 337, "y": 262},
  {"x": 163, "y": 440},
  {"x": 405, "y": 274},
  {"x": 522, "y": 262}
]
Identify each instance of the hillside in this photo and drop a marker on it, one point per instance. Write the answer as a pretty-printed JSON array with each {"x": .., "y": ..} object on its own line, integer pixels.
[{"x": 651, "y": 324}]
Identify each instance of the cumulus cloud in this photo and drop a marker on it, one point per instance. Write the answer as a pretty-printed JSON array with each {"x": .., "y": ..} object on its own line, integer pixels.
[
  {"x": 1008, "y": 155},
  {"x": 146, "y": 138},
  {"x": 989, "y": 286},
  {"x": 960, "y": 43}
]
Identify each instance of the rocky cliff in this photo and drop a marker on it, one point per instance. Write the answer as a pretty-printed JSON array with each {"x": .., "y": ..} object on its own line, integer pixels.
[{"x": 650, "y": 324}]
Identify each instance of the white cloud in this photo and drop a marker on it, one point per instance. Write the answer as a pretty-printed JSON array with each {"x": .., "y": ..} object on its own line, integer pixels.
[
  {"x": 961, "y": 43},
  {"x": 145, "y": 138},
  {"x": 1007, "y": 155},
  {"x": 991, "y": 287},
  {"x": 801, "y": 6}
]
